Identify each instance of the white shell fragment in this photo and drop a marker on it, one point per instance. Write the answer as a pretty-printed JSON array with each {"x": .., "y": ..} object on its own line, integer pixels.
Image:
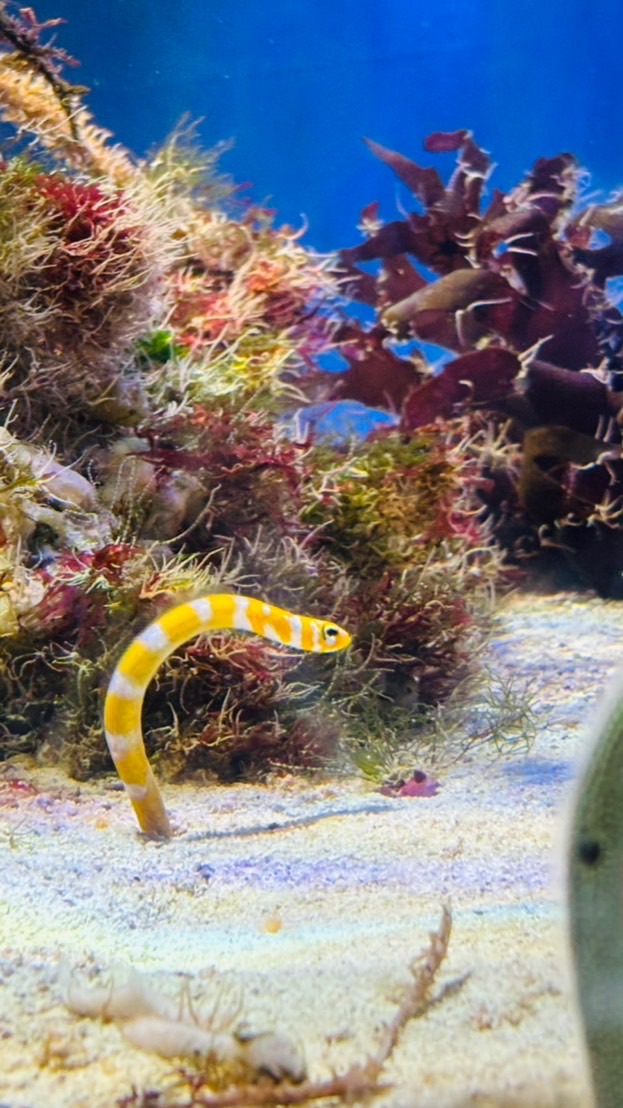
[
  {"x": 173, "y": 1039},
  {"x": 172, "y": 1027}
]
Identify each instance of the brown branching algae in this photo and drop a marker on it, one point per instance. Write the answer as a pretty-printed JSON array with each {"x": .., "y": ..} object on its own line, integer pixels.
[{"x": 233, "y": 1067}]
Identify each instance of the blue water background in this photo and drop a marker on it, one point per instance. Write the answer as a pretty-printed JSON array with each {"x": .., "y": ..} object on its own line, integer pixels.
[{"x": 297, "y": 83}]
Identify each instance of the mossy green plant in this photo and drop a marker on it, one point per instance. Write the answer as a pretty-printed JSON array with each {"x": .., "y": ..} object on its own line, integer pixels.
[{"x": 388, "y": 504}]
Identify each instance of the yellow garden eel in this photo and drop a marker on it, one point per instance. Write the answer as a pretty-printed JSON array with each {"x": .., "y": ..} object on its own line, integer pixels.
[
  {"x": 596, "y": 900},
  {"x": 137, "y": 666}
]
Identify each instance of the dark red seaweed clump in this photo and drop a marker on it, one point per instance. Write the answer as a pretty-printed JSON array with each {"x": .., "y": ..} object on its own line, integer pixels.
[{"x": 513, "y": 292}]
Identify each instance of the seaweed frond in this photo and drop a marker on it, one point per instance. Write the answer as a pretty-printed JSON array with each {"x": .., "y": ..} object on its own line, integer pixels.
[
  {"x": 41, "y": 103},
  {"x": 360, "y": 1081},
  {"x": 23, "y": 32}
]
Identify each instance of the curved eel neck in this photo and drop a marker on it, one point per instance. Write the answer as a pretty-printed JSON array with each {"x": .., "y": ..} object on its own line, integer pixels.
[{"x": 136, "y": 667}]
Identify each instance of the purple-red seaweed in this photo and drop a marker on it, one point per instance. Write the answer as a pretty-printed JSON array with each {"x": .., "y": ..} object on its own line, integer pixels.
[{"x": 513, "y": 292}]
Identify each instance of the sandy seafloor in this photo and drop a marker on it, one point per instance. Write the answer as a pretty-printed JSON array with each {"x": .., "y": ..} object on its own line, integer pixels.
[{"x": 312, "y": 897}]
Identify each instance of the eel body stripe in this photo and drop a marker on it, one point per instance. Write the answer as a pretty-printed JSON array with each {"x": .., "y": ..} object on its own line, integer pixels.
[
  {"x": 153, "y": 638},
  {"x": 147, "y": 652},
  {"x": 123, "y": 687},
  {"x": 203, "y": 608}
]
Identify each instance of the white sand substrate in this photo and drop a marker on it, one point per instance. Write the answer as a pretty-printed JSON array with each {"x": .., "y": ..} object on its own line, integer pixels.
[{"x": 307, "y": 900}]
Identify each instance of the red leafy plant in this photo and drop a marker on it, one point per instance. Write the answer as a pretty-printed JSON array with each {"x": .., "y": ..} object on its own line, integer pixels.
[
  {"x": 80, "y": 275},
  {"x": 514, "y": 289}
]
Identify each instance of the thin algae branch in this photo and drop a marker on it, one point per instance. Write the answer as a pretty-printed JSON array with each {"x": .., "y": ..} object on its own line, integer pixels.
[{"x": 233, "y": 1068}]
